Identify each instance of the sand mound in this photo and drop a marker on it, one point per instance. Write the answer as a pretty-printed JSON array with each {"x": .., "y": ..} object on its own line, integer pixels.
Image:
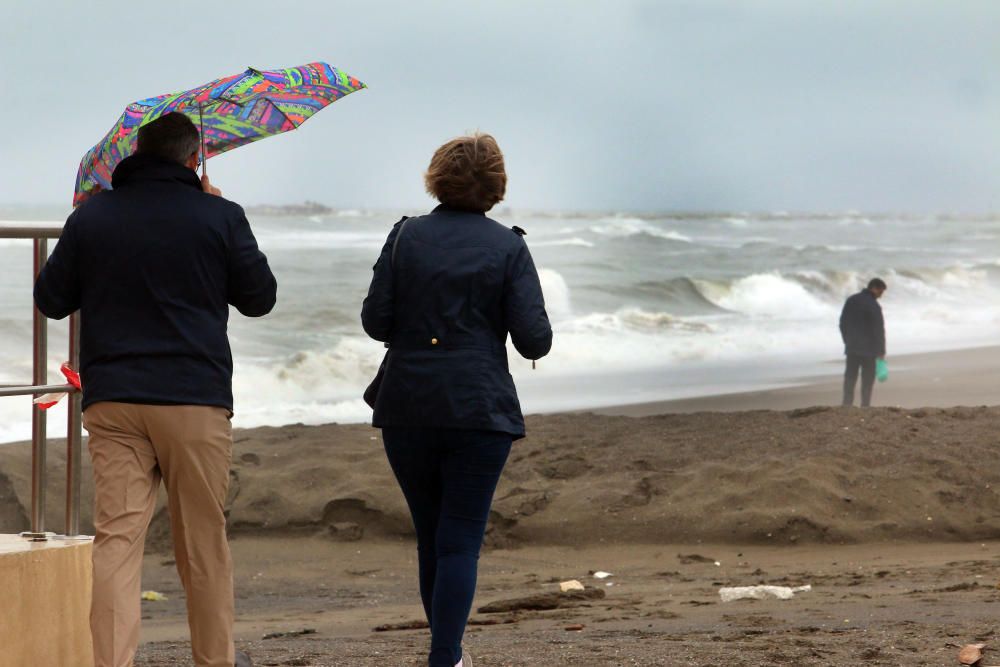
[
  {"x": 13, "y": 516},
  {"x": 814, "y": 475}
]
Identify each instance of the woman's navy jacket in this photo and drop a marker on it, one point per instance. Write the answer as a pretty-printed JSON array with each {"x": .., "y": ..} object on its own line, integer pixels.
[{"x": 458, "y": 284}]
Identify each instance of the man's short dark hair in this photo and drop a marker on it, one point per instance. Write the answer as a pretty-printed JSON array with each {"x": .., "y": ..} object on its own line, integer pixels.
[
  {"x": 877, "y": 283},
  {"x": 172, "y": 136}
]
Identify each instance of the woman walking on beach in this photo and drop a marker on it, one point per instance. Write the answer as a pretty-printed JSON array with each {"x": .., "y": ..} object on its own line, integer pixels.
[{"x": 447, "y": 289}]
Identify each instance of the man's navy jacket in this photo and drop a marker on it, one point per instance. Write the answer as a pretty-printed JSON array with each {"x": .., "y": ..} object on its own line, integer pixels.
[
  {"x": 458, "y": 284},
  {"x": 153, "y": 266},
  {"x": 862, "y": 326}
]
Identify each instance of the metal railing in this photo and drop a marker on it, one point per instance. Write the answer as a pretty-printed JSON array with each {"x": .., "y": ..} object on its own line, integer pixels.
[{"x": 40, "y": 233}]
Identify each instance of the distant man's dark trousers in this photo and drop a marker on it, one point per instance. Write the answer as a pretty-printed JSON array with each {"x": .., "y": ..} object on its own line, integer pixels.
[{"x": 866, "y": 365}]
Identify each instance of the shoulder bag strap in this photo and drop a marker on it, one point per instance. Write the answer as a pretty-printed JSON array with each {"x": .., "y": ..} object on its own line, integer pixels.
[{"x": 395, "y": 243}]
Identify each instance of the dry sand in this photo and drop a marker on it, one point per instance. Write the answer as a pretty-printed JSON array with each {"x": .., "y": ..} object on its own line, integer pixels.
[{"x": 892, "y": 516}]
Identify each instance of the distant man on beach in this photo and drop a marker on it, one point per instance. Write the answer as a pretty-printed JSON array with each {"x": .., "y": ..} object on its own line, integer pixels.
[
  {"x": 863, "y": 330},
  {"x": 153, "y": 265}
]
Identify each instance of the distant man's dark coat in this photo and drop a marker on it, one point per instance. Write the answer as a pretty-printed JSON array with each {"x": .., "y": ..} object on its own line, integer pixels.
[
  {"x": 153, "y": 265},
  {"x": 862, "y": 326},
  {"x": 459, "y": 284}
]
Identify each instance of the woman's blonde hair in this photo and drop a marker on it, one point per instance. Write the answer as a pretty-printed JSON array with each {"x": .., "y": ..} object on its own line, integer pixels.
[{"x": 468, "y": 173}]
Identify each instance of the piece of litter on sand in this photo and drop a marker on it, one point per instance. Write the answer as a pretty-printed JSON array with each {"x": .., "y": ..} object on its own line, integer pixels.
[
  {"x": 153, "y": 596},
  {"x": 971, "y": 654},
  {"x": 688, "y": 559},
  {"x": 601, "y": 574},
  {"x": 492, "y": 621},
  {"x": 571, "y": 585},
  {"x": 576, "y": 627},
  {"x": 544, "y": 601},
  {"x": 290, "y": 633},
  {"x": 405, "y": 625},
  {"x": 731, "y": 593}
]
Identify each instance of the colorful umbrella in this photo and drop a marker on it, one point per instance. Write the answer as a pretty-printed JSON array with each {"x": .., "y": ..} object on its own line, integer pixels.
[{"x": 231, "y": 112}]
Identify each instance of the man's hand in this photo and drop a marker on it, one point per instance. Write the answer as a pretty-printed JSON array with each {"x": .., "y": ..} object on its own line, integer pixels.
[{"x": 207, "y": 186}]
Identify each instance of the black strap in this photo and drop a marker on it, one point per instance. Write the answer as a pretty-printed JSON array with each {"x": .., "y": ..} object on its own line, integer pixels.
[
  {"x": 395, "y": 243},
  {"x": 392, "y": 256}
]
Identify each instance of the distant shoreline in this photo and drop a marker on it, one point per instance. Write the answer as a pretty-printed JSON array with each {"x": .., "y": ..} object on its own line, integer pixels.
[
  {"x": 286, "y": 210},
  {"x": 966, "y": 377}
]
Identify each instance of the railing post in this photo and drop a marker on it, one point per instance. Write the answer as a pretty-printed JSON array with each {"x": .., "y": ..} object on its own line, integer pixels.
[
  {"x": 38, "y": 440},
  {"x": 40, "y": 233},
  {"x": 74, "y": 436}
]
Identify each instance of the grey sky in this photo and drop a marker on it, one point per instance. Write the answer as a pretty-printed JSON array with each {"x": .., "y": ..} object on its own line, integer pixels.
[{"x": 877, "y": 105}]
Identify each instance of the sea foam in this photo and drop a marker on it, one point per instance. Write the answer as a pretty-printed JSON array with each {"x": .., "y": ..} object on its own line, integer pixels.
[{"x": 688, "y": 304}]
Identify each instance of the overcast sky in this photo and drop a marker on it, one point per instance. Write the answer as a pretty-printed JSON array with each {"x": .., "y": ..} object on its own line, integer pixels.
[{"x": 803, "y": 105}]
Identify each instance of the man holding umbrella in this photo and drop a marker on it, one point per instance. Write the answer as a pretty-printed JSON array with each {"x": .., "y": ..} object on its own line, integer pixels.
[{"x": 153, "y": 265}]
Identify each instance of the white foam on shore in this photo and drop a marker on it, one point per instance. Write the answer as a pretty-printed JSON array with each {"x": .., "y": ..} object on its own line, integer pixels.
[{"x": 625, "y": 227}]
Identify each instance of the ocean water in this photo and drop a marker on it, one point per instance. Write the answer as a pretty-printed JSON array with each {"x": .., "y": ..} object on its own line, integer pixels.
[{"x": 644, "y": 307}]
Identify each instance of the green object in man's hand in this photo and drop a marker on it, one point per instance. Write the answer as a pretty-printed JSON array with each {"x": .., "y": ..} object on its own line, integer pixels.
[{"x": 881, "y": 370}]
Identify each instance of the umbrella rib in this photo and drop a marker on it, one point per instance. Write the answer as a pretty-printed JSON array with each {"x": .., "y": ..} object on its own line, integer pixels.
[
  {"x": 216, "y": 101},
  {"x": 295, "y": 125}
]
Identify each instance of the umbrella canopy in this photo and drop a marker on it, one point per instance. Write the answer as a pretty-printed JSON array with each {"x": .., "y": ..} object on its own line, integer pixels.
[{"x": 232, "y": 111}]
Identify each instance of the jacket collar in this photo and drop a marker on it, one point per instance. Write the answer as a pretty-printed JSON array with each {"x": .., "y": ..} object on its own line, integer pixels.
[
  {"x": 444, "y": 208},
  {"x": 136, "y": 168}
]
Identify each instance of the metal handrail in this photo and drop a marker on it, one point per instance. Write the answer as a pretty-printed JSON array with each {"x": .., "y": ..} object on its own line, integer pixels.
[
  {"x": 35, "y": 390},
  {"x": 40, "y": 232},
  {"x": 30, "y": 230}
]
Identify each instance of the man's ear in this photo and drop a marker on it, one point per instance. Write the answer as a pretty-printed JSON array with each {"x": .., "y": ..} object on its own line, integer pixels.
[{"x": 192, "y": 162}]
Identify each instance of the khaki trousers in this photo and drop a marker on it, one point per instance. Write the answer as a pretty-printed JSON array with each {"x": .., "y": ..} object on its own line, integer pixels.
[{"x": 132, "y": 446}]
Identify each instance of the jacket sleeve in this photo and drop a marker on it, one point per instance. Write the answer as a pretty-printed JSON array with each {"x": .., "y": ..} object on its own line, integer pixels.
[
  {"x": 252, "y": 289},
  {"x": 843, "y": 322},
  {"x": 57, "y": 289},
  {"x": 880, "y": 330},
  {"x": 378, "y": 306},
  {"x": 524, "y": 306}
]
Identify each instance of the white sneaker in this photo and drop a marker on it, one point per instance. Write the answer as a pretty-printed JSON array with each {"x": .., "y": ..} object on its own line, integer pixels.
[{"x": 466, "y": 661}]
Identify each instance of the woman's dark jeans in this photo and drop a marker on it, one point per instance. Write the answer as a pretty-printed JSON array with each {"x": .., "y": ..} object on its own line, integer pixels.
[{"x": 448, "y": 477}]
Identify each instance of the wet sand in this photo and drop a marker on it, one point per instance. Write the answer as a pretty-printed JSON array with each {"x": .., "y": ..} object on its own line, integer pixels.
[
  {"x": 938, "y": 379},
  {"x": 871, "y": 604}
]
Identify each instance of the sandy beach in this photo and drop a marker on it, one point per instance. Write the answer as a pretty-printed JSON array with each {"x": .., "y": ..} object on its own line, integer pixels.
[
  {"x": 892, "y": 516},
  {"x": 941, "y": 379}
]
